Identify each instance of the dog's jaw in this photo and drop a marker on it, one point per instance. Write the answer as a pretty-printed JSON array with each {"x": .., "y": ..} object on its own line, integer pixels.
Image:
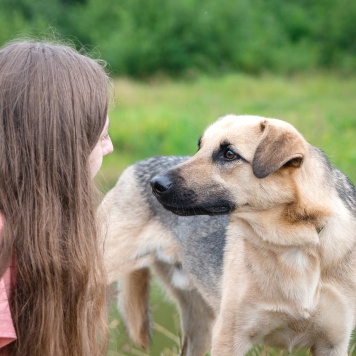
[
  {"x": 220, "y": 208},
  {"x": 168, "y": 190}
]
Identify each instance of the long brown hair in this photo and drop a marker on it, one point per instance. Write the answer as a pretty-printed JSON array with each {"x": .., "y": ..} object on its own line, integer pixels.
[{"x": 53, "y": 107}]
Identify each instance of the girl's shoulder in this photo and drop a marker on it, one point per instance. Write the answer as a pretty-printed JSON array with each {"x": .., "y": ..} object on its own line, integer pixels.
[{"x": 7, "y": 329}]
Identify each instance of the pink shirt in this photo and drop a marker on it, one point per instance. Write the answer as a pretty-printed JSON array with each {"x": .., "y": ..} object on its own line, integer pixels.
[{"x": 7, "y": 329}]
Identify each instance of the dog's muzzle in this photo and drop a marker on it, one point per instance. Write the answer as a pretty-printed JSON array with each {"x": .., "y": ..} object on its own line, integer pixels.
[{"x": 183, "y": 201}]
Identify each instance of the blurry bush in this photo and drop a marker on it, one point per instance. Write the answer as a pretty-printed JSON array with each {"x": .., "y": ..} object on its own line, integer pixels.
[{"x": 142, "y": 38}]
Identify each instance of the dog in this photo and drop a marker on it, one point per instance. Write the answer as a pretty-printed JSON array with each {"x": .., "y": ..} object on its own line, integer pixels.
[
  {"x": 141, "y": 236},
  {"x": 289, "y": 263}
]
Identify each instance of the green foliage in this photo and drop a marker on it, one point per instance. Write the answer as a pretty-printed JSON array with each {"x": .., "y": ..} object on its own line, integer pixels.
[{"x": 190, "y": 36}]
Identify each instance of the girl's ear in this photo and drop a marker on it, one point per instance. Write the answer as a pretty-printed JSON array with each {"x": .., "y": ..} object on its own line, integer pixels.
[{"x": 278, "y": 148}]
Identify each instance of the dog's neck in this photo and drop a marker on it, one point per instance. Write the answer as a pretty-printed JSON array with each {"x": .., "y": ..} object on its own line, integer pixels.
[{"x": 277, "y": 226}]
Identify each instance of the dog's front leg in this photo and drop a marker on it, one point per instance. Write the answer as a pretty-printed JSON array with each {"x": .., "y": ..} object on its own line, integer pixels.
[
  {"x": 335, "y": 320},
  {"x": 227, "y": 340},
  {"x": 230, "y": 338}
]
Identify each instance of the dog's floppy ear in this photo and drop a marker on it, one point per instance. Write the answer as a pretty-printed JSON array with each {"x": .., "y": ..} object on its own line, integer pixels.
[{"x": 278, "y": 148}]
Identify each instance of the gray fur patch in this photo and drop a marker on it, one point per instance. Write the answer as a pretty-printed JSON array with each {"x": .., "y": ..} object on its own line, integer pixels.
[{"x": 202, "y": 237}]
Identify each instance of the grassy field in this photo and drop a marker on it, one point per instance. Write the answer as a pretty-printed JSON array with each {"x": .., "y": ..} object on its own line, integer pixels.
[{"x": 164, "y": 117}]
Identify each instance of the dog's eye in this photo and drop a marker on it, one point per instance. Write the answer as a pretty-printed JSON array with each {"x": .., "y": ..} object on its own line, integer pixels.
[{"x": 230, "y": 155}]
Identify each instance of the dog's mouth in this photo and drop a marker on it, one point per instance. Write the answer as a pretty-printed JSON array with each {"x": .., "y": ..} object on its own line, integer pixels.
[
  {"x": 222, "y": 208},
  {"x": 186, "y": 202}
]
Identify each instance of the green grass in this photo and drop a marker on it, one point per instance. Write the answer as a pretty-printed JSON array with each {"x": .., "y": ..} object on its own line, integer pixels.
[{"x": 164, "y": 117}]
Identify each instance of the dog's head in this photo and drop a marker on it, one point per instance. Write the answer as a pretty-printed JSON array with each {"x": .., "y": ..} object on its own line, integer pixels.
[{"x": 243, "y": 162}]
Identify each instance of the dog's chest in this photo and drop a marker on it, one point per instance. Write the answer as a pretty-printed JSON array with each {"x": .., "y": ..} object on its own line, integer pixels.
[
  {"x": 295, "y": 259},
  {"x": 285, "y": 279},
  {"x": 282, "y": 294}
]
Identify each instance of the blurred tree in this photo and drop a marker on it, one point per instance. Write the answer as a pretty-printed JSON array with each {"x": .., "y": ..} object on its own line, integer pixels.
[{"x": 188, "y": 36}]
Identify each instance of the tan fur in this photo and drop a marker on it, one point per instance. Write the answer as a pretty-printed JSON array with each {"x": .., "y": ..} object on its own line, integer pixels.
[{"x": 289, "y": 275}]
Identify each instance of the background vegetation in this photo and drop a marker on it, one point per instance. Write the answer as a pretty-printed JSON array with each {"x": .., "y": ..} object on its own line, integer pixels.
[
  {"x": 178, "y": 65},
  {"x": 189, "y": 36}
]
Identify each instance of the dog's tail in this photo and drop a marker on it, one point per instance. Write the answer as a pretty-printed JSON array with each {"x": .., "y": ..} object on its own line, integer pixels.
[{"x": 134, "y": 305}]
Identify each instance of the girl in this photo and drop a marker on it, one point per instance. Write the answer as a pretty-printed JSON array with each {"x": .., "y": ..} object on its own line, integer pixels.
[{"x": 53, "y": 135}]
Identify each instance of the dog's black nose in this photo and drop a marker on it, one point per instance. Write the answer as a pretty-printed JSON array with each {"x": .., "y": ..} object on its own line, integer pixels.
[{"x": 160, "y": 184}]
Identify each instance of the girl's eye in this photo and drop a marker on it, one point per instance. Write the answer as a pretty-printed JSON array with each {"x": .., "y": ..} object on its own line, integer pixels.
[
  {"x": 105, "y": 137},
  {"x": 228, "y": 154}
]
